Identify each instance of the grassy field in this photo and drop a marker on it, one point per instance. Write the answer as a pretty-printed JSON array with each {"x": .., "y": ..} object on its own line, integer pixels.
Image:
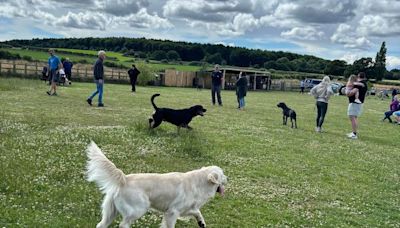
[
  {"x": 278, "y": 176},
  {"x": 126, "y": 61}
]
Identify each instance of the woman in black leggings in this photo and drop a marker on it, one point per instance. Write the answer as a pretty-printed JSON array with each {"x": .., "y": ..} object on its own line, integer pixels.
[{"x": 322, "y": 93}]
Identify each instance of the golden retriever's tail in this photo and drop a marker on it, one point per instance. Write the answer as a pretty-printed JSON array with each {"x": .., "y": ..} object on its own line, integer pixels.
[
  {"x": 152, "y": 100},
  {"x": 102, "y": 171}
]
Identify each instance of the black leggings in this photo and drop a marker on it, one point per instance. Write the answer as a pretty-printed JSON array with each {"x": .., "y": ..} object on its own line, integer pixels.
[{"x": 322, "y": 107}]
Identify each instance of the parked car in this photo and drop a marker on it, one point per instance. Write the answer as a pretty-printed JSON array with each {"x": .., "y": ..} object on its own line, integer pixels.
[
  {"x": 336, "y": 87},
  {"x": 310, "y": 83}
]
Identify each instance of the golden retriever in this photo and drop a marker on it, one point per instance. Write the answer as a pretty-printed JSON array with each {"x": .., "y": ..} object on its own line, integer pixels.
[{"x": 174, "y": 194}]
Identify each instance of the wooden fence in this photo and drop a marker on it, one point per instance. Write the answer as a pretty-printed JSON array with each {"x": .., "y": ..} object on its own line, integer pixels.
[
  {"x": 80, "y": 72},
  {"x": 84, "y": 72}
]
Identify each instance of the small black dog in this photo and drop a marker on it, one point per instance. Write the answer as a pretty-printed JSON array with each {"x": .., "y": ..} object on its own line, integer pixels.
[
  {"x": 287, "y": 112},
  {"x": 181, "y": 117}
]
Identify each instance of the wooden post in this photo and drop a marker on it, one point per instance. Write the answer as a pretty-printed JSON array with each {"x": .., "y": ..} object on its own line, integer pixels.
[
  {"x": 25, "y": 70},
  {"x": 223, "y": 79},
  {"x": 86, "y": 73},
  {"x": 36, "y": 68},
  {"x": 14, "y": 67},
  {"x": 119, "y": 75},
  {"x": 255, "y": 81},
  {"x": 0, "y": 67}
]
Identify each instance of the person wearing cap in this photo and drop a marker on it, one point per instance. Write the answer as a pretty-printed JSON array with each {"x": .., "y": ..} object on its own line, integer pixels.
[
  {"x": 133, "y": 74},
  {"x": 67, "y": 64},
  {"x": 216, "y": 83},
  {"x": 54, "y": 65},
  {"x": 98, "y": 73}
]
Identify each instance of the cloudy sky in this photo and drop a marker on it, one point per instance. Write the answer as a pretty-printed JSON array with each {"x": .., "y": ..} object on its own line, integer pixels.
[{"x": 331, "y": 29}]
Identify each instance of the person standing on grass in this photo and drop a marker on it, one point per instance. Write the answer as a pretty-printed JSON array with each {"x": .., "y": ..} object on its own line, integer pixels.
[
  {"x": 302, "y": 86},
  {"x": 216, "y": 83},
  {"x": 54, "y": 65},
  {"x": 133, "y": 74},
  {"x": 355, "y": 109},
  {"x": 98, "y": 72},
  {"x": 241, "y": 89},
  {"x": 322, "y": 93},
  {"x": 67, "y": 64}
]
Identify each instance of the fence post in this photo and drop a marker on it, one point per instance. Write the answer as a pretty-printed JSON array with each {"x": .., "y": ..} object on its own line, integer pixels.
[
  {"x": 86, "y": 74},
  {"x": 119, "y": 75},
  {"x": 0, "y": 67},
  {"x": 14, "y": 69},
  {"x": 36, "y": 69},
  {"x": 25, "y": 70}
]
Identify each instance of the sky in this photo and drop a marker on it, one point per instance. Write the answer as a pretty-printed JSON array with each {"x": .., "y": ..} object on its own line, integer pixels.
[{"x": 330, "y": 29}]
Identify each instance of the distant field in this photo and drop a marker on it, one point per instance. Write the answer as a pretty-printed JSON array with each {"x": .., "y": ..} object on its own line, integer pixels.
[
  {"x": 126, "y": 61},
  {"x": 277, "y": 176}
]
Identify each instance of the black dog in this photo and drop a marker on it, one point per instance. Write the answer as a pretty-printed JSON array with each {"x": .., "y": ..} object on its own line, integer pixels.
[
  {"x": 181, "y": 117},
  {"x": 287, "y": 112}
]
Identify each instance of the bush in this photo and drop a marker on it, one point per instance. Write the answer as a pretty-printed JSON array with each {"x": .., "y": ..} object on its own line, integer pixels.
[
  {"x": 27, "y": 58},
  {"x": 146, "y": 75},
  {"x": 83, "y": 61},
  {"x": 8, "y": 55},
  {"x": 113, "y": 64},
  {"x": 196, "y": 63}
]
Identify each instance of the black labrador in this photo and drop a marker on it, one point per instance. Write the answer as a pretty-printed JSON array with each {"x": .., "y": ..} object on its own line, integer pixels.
[
  {"x": 180, "y": 117},
  {"x": 287, "y": 112}
]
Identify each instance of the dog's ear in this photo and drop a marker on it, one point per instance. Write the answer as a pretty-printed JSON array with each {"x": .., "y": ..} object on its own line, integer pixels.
[{"x": 213, "y": 178}]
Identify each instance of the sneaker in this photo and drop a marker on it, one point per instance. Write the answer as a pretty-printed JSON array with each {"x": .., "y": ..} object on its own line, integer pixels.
[
  {"x": 54, "y": 94},
  {"x": 220, "y": 104},
  {"x": 48, "y": 93},
  {"x": 89, "y": 101},
  {"x": 318, "y": 129},
  {"x": 100, "y": 105},
  {"x": 352, "y": 136},
  {"x": 357, "y": 101}
]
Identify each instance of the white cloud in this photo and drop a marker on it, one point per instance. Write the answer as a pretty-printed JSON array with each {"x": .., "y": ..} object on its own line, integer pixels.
[
  {"x": 303, "y": 33},
  {"x": 346, "y": 35},
  {"x": 84, "y": 20},
  {"x": 392, "y": 62},
  {"x": 144, "y": 20},
  {"x": 378, "y": 25}
]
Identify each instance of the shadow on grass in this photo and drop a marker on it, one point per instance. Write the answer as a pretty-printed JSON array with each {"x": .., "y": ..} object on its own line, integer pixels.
[{"x": 185, "y": 144}]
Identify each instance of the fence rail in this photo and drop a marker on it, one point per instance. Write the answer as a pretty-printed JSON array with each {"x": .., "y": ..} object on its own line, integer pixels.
[
  {"x": 84, "y": 72},
  {"x": 80, "y": 72}
]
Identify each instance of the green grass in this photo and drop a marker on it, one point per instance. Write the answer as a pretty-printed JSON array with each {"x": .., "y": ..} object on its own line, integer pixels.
[
  {"x": 126, "y": 61},
  {"x": 278, "y": 176}
]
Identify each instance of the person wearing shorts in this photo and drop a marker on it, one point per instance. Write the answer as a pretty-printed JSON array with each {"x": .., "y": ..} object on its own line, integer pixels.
[
  {"x": 54, "y": 65},
  {"x": 354, "y": 109}
]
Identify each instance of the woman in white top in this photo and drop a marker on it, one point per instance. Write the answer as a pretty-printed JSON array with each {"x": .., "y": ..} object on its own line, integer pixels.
[{"x": 322, "y": 93}]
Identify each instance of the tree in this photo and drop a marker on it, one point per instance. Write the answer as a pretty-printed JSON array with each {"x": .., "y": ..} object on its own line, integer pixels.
[
  {"x": 365, "y": 65},
  {"x": 173, "y": 55},
  {"x": 336, "y": 67},
  {"x": 159, "y": 55},
  {"x": 380, "y": 63},
  {"x": 214, "y": 58}
]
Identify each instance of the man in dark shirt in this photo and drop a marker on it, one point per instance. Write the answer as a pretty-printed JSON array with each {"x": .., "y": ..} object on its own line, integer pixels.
[
  {"x": 133, "y": 74},
  {"x": 98, "y": 72},
  {"x": 67, "y": 64},
  {"x": 216, "y": 83},
  {"x": 354, "y": 109}
]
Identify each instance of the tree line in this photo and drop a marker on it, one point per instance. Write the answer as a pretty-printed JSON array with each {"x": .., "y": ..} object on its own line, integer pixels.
[{"x": 165, "y": 50}]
